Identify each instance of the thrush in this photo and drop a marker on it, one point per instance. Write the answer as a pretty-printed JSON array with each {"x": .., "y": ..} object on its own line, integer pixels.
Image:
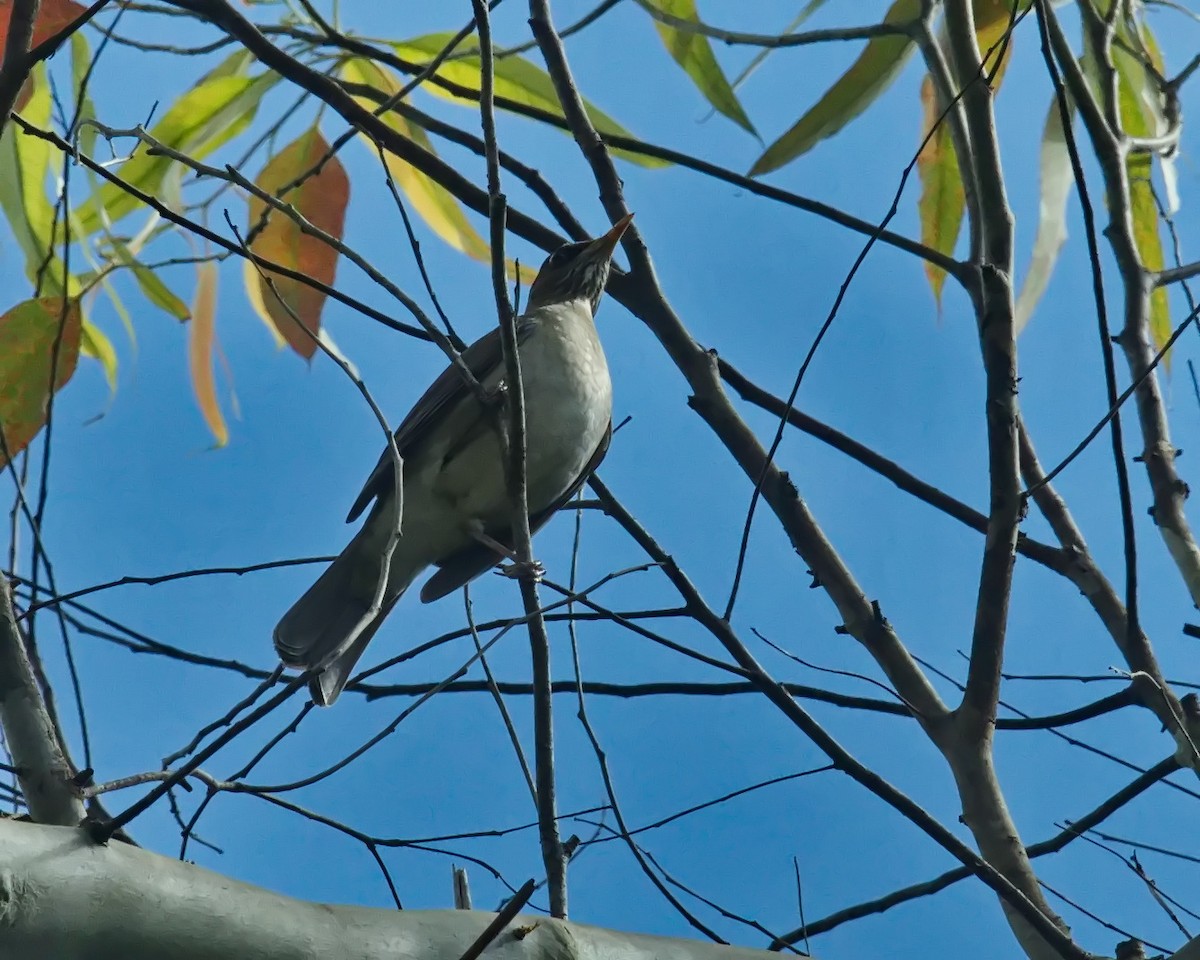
[{"x": 457, "y": 514}]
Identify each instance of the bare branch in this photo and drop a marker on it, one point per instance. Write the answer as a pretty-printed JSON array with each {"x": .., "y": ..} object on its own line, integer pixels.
[{"x": 42, "y": 769}]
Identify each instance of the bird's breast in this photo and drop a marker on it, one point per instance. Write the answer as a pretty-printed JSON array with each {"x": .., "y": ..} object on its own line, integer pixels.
[
  {"x": 568, "y": 407},
  {"x": 568, "y": 399}
]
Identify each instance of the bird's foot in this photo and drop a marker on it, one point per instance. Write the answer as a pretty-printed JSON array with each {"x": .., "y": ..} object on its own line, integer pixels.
[
  {"x": 523, "y": 570},
  {"x": 479, "y": 535},
  {"x": 497, "y": 395}
]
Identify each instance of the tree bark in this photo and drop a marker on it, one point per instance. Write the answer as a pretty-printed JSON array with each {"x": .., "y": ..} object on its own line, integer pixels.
[{"x": 64, "y": 896}]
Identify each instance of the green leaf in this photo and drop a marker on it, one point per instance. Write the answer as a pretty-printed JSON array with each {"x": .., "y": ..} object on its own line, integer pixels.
[
  {"x": 943, "y": 199},
  {"x": 93, "y": 343},
  {"x": 855, "y": 90},
  {"x": 692, "y": 51},
  {"x": 81, "y": 60},
  {"x": 757, "y": 60},
  {"x": 204, "y": 118},
  {"x": 516, "y": 79},
  {"x": 149, "y": 283},
  {"x": 37, "y": 338},
  {"x": 1056, "y": 179},
  {"x": 1142, "y": 115},
  {"x": 26, "y": 161},
  {"x": 1149, "y": 241},
  {"x": 435, "y": 204}
]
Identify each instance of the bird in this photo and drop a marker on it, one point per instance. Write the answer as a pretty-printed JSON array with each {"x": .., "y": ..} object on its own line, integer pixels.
[{"x": 456, "y": 513}]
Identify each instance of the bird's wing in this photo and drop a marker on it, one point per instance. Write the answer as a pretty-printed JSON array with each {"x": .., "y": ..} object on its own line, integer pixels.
[
  {"x": 463, "y": 567},
  {"x": 483, "y": 358}
]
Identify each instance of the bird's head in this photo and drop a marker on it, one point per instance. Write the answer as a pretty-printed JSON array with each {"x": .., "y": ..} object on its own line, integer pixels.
[{"x": 577, "y": 271}]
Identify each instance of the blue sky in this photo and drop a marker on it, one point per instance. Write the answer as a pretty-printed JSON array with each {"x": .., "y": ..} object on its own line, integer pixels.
[{"x": 139, "y": 492}]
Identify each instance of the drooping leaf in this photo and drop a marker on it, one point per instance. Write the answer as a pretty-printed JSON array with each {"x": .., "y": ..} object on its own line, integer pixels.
[
  {"x": 855, "y": 90},
  {"x": 515, "y": 78},
  {"x": 943, "y": 200},
  {"x": 202, "y": 336},
  {"x": 1146, "y": 235},
  {"x": 205, "y": 117},
  {"x": 1142, "y": 115},
  {"x": 1141, "y": 111},
  {"x": 433, "y": 202},
  {"x": 757, "y": 60},
  {"x": 81, "y": 60},
  {"x": 321, "y": 200},
  {"x": 1056, "y": 180},
  {"x": 693, "y": 51},
  {"x": 93, "y": 343},
  {"x": 118, "y": 306},
  {"x": 151, "y": 285},
  {"x": 1166, "y": 160},
  {"x": 37, "y": 337},
  {"x": 26, "y": 164}
]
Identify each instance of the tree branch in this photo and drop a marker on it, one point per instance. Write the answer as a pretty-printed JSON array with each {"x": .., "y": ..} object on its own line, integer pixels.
[
  {"x": 42, "y": 768},
  {"x": 68, "y": 898}
]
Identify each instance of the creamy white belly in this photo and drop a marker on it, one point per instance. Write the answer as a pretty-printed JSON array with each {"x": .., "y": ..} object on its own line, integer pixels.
[{"x": 568, "y": 406}]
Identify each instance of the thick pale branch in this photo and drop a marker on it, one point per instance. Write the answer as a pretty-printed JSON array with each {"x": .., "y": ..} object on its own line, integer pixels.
[
  {"x": 994, "y": 311},
  {"x": 1150, "y": 685},
  {"x": 42, "y": 769},
  {"x": 68, "y": 898}
]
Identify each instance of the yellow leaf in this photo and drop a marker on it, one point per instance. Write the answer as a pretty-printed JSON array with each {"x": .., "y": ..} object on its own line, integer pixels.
[
  {"x": 942, "y": 199},
  {"x": 206, "y": 116},
  {"x": 254, "y": 293},
  {"x": 435, "y": 205},
  {"x": 516, "y": 79},
  {"x": 993, "y": 18},
  {"x": 855, "y": 90},
  {"x": 202, "y": 337},
  {"x": 93, "y": 343},
  {"x": 693, "y": 51}
]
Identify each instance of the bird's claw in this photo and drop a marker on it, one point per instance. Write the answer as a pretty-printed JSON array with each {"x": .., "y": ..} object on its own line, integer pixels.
[
  {"x": 531, "y": 570},
  {"x": 497, "y": 395}
]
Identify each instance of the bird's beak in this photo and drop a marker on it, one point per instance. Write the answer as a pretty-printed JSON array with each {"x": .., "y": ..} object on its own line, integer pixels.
[{"x": 605, "y": 245}]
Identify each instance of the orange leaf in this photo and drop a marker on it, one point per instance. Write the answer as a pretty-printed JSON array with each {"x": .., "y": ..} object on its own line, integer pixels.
[
  {"x": 321, "y": 199},
  {"x": 202, "y": 339},
  {"x": 53, "y": 16},
  {"x": 34, "y": 335},
  {"x": 943, "y": 199}
]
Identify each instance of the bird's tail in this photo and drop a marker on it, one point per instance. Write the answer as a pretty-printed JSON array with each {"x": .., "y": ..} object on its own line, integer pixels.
[{"x": 327, "y": 614}]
